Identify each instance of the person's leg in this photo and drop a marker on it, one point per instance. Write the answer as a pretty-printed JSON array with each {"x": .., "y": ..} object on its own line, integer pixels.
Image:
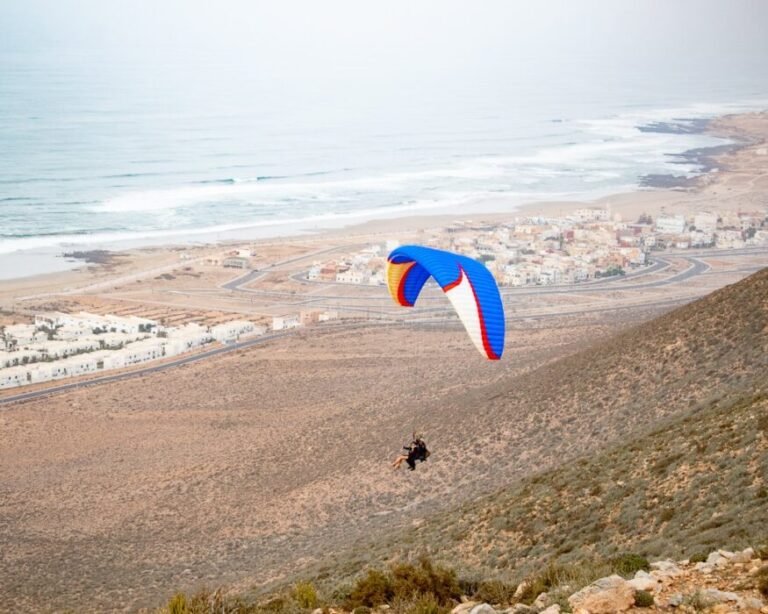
[{"x": 398, "y": 461}]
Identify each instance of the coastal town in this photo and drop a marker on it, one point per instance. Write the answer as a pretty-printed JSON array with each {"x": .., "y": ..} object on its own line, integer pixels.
[
  {"x": 538, "y": 251},
  {"x": 60, "y": 345},
  {"x": 590, "y": 244}
]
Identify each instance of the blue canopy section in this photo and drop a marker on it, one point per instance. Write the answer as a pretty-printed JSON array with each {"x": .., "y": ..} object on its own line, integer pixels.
[{"x": 446, "y": 268}]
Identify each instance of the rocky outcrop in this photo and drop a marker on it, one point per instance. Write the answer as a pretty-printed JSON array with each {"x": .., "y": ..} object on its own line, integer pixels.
[
  {"x": 725, "y": 583},
  {"x": 604, "y": 596}
]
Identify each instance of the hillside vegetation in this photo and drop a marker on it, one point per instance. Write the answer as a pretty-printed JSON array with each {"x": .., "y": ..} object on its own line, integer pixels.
[
  {"x": 684, "y": 488},
  {"x": 680, "y": 491},
  {"x": 652, "y": 444},
  {"x": 714, "y": 350}
]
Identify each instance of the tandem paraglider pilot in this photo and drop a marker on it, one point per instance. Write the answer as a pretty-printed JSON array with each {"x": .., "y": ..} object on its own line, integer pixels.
[{"x": 417, "y": 451}]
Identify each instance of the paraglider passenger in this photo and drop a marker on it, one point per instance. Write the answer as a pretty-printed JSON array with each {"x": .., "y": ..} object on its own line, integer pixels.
[{"x": 417, "y": 451}]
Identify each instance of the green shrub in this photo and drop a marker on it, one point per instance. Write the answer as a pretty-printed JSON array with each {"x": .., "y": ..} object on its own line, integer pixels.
[
  {"x": 494, "y": 591},
  {"x": 177, "y": 604},
  {"x": 305, "y": 595},
  {"x": 698, "y": 557},
  {"x": 425, "y": 578},
  {"x": 275, "y": 604},
  {"x": 426, "y": 604},
  {"x": 540, "y": 583},
  {"x": 202, "y": 602},
  {"x": 375, "y": 588},
  {"x": 405, "y": 583},
  {"x": 697, "y": 602},
  {"x": 643, "y": 599},
  {"x": 628, "y": 564},
  {"x": 667, "y": 514}
]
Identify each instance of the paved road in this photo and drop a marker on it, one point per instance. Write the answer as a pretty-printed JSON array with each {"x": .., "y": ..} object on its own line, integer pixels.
[{"x": 251, "y": 276}]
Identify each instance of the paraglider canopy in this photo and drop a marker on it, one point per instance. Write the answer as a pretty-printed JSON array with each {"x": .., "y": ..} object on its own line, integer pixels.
[{"x": 469, "y": 285}]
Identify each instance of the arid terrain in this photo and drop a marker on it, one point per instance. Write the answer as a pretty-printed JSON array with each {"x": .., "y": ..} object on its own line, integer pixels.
[{"x": 245, "y": 469}]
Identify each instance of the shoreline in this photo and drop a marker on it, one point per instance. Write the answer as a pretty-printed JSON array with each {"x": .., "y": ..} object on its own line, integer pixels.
[{"x": 60, "y": 265}]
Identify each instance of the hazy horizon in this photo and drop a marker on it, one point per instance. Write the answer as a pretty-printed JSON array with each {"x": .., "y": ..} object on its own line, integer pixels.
[{"x": 145, "y": 122}]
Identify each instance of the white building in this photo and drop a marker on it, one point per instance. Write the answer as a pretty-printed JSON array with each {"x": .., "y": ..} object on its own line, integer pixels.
[
  {"x": 351, "y": 276},
  {"x": 185, "y": 338},
  {"x": 40, "y": 372},
  {"x": 108, "y": 359},
  {"x": 327, "y": 316},
  {"x": 593, "y": 214},
  {"x": 729, "y": 239},
  {"x": 705, "y": 222},
  {"x": 23, "y": 333},
  {"x": 286, "y": 322},
  {"x": 142, "y": 351},
  {"x": 13, "y": 377},
  {"x": 19, "y": 357},
  {"x": 76, "y": 365},
  {"x": 231, "y": 331},
  {"x": 62, "y": 349},
  {"x": 670, "y": 224}
]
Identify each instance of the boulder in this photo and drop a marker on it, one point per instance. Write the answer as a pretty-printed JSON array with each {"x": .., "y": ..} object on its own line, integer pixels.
[
  {"x": 704, "y": 568},
  {"x": 664, "y": 571},
  {"x": 717, "y": 596},
  {"x": 675, "y": 600},
  {"x": 745, "y": 556},
  {"x": 716, "y": 559},
  {"x": 463, "y": 608},
  {"x": 542, "y": 601},
  {"x": 483, "y": 608},
  {"x": 521, "y": 588},
  {"x": 520, "y": 608},
  {"x": 668, "y": 567},
  {"x": 553, "y": 609},
  {"x": 644, "y": 584},
  {"x": 753, "y": 604},
  {"x": 604, "y": 596}
]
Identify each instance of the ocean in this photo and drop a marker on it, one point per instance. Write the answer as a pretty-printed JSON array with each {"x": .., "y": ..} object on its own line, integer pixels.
[{"x": 109, "y": 155}]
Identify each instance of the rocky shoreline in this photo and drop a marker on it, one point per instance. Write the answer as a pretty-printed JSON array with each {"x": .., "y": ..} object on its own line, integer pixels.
[{"x": 705, "y": 158}]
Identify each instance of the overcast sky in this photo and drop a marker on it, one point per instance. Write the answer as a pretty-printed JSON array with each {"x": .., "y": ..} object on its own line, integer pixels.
[
  {"x": 431, "y": 34},
  {"x": 343, "y": 51}
]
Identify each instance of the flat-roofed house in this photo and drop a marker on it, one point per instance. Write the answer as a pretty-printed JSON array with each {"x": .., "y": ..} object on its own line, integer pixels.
[
  {"x": 39, "y": 372},
  {"x": 286, "y": 322},
  {"x": 22, "y": 333},
  {"x": 237, "y": 262},
  {"x": 19, "y": 357},
  {"x": 13, "y": 377},
  {"x": 230, "y": 331},
  {"x": 78, "y": 365},
  {"x": 143, "y": 351}
]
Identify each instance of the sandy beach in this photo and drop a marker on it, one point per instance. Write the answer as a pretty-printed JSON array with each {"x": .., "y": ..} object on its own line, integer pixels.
[{"x": 738, "y": 182}]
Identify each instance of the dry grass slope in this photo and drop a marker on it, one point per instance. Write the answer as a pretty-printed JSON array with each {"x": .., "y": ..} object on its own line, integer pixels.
[
  {"x": 715, "y": 349},
  {"x": 678, "y": 407},
  {"x": 679, "y": 491},
  {"x": 685, "y": 488}
]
